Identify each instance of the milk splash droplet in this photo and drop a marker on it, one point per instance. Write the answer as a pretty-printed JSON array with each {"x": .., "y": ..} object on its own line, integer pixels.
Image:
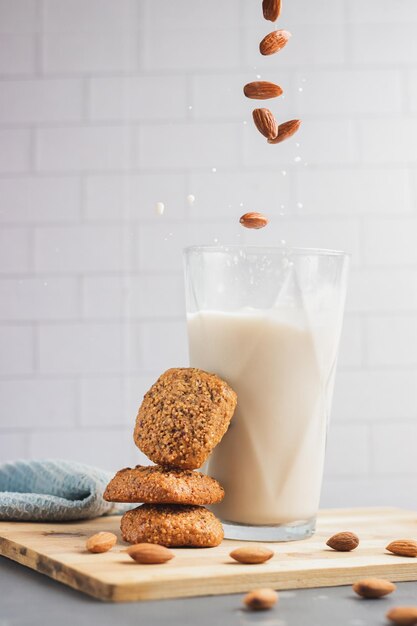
[
  {"x": 214, "y": 170},
  {"x": 159, "y": 208},
  {"x": 190, "y": 199},
  {"x": 283, "y": 172}
]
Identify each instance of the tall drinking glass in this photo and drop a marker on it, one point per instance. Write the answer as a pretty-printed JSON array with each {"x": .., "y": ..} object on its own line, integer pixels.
[{"x": 268, "y": 321}]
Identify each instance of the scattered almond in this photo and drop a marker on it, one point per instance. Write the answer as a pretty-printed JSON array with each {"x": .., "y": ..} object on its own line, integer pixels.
[
  {"x": 149, "y": 553},
  {"x": 265, "y": 122},
  {"x": 286, "y": 130},
  {"x": 262, "y": 90},
  {"x": 403, "y": 615},
  {"x": 253, "y": 220},
  {"x": 252, "y": 554},
  {"x": 343, "y": 542},
  {"x": 101, "y": 542},
  {"x": 271, "y": 9},
  {"x": 260, "y": 599},
  {"x": 373, "y": 587},
  {"x": 273, "y": 42},
  {"x": 403, "y": 547}
]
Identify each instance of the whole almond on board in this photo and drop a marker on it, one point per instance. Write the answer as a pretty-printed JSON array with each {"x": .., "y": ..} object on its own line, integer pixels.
[
  {"x": 262, "y": 90},
  {"x": 101, "y": 542},
  {"x": 271, "y": 9},
  {"x": 273, "y": 42},
  {"x": 265, "y": 122},
  {"x": 253, "y": 220},
  {"x": 149, "y": 553},
  {"x": 373, "y": 587},
  {"x": 286, "y": 130},
  {"x": 252, "y": 554},
  {"x": 260, "y": 599},
  {"x": 403, "y": 615},
  {"x": 343, "y": 542},
  {"x": 403, "y": 547}
]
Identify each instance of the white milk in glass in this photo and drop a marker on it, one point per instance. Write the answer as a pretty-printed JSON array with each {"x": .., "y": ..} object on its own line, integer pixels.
[{"x": 270, "y": 462}]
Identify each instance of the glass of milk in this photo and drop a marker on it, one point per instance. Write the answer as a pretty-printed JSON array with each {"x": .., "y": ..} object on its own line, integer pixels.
[{"x": 268, "y": 321}]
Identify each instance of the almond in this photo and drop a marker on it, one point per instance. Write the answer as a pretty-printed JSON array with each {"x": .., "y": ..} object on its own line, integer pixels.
[
  {"x": 373, "y": 587},
  {"x": 101, "y": 542},
  {"x": 403, "y": 615},
  {"x": 265, "y": 122},
  {"x": 253, "y": 220},
  {"x": 273, "y": 42},
  {"x": 149, "y": 553},
  {"x": 260, "y": 599},
  {"x": 286, "y": 130},
  {"x": 252, "y": 554},
  {"x": 403, "y": 547},
  {"x": 262, "y": 90},
  {"x": 271, "y": 9},
  {"x": 343, "y": 542}
]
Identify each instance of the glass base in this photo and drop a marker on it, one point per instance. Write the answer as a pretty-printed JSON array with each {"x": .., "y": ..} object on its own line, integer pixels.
[{"x": 280, "y": 532}]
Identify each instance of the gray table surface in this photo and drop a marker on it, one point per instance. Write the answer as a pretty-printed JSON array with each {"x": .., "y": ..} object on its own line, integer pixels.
[{"x": 28, "y": 598}]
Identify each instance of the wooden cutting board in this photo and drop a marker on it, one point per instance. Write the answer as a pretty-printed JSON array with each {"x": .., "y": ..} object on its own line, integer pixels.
[{"x": 58, "y": 550}]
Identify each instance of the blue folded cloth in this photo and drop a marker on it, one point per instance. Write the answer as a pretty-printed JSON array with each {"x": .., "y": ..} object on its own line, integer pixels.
[{"x": 53, "y": 490}]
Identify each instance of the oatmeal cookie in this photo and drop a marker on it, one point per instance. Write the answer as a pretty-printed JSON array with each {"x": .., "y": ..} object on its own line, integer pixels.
[
  {"x": 164, "y": 485},
  {"x": 172, "y": 525},
  {"x": 183, "y": 417}
]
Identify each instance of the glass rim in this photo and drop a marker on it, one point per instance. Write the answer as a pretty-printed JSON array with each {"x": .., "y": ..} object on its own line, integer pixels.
[{"x": 267, "y": 249}]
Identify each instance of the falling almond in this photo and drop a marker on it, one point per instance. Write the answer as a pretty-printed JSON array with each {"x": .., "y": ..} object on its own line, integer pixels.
[
  {"x": 265, "y": 122},
  {"x": 271, "y": 9},
  {"x": 262, "y": 90},
  {"x": 273, "y": 42},
  {"x": 253, "y": 220},
  {"x": 285, "y": 131}
]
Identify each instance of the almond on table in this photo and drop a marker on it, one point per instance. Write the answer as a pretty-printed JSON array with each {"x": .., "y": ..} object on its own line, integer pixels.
[
  {"x": 273, "y": 42},
  {"x": 252, "y": 555},
  {"x": 262, "y": 90},
  {"x": 265, "y": 122},
  {"x": 260, "y": 599},
  {"x": 373, "y": 587},
  {"x": 286, "y": 130},
  {"x": 403, "y": 615},
  {"x": 403, "y": 547},
  {"x": 271, "y": 9},
  {"x": 150, "y": 553},
  {"x": 253, "y": 220},
  {"x": 101, "y": 542},
  {"x": 343, "y": 542}
]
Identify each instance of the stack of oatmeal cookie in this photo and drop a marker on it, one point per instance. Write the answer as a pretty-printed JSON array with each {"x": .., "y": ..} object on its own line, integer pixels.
[{"x": 182, "y": 418}]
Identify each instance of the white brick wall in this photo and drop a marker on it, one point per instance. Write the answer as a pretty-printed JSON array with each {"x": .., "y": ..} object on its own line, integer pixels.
[
  {"x": 32, "y": 200},
  {"x": 109, "y": 107},
  {"x": 82, "y": 148},
  {"x": 15, "y": 150},
  {"x": 17, "y": 53},
  {"x": 26, "y": 101}
]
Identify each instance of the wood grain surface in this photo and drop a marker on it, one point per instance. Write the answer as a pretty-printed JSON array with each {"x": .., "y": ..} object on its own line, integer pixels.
[{"x": 58, "y": 550}]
